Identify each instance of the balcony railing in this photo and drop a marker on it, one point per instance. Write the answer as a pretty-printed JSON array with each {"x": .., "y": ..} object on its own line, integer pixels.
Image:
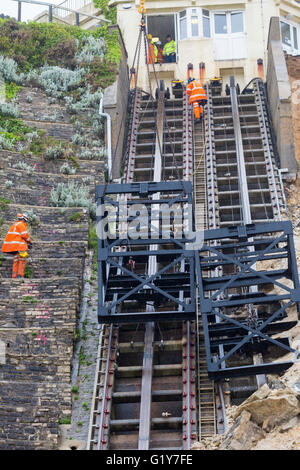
[
  {"x": 71, "y": 8},
  {"x": 70, "y": 4}
]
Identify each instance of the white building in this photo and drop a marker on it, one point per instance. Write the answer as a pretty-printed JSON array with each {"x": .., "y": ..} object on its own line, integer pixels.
[{"x": 227, "y": 36}]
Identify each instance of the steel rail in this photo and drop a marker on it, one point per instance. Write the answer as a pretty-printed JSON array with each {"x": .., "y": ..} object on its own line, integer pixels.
[
  {"x": 273, "y": 188},
  {"x": 242, "y": 181},
  {"x": 243, "y": 188},
  {"x": 146, "y": 390}
]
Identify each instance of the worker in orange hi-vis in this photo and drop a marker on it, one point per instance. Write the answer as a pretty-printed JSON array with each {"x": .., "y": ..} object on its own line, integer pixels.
[
  {"x": 197, "y": 97},
  {"x": 152, "y": 50},
  {"x": 15, "y": 243}
]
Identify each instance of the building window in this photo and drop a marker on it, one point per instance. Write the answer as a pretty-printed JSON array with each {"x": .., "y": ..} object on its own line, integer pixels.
[
  {"x": 221, "y": 23},
  {"x": 295, "y": 37},
  {"x": 206, "y": 23},
  {"x": 229, "y": 36},
  {"x": 237, "y": 22},
  {"x": 289, "y": 36},
  {"x": 229, "y": 22},
  {"x": 190, "y": 23},
  {"x": 183, "y": 24},
  {"x": 194, "y": 23}
]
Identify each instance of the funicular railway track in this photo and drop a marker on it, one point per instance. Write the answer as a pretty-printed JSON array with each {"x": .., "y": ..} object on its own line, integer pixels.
[
  {"x": 152, "y": 367},
  {"x": 152, "y": 389}
]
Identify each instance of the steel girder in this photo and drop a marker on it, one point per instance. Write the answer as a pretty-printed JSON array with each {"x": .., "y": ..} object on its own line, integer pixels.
[
  {"x": 126, "y": 290},
  {"x": 247, "y": 280}
]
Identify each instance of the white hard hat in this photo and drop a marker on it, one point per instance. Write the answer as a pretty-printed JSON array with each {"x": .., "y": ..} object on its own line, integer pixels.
[{"x": 23, "y": 217}]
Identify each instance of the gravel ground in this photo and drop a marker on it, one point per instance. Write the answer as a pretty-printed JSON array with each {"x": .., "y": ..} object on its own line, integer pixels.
[{"x": 84, "y": 385}]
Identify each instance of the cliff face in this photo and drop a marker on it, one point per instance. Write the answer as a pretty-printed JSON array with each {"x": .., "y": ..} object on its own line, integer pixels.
[
  {"x": 268, "y": 420},
  {"x": 293, "y": 68}
]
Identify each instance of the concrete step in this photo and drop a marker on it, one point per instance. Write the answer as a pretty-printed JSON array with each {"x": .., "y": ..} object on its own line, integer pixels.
[
  {"x": 56, "y": 233},
  {"x": 32, "y": 197},
  {"x": 47, "y": 215},
  {"x": 52, "y": 249},
  {"x": 31, "y": 311},
  {"x": 86, "y": 167},
  {"x": 29, "y": 413},
  {"x": 43, "y": 181},
  {"x": 47, "y": 267},
  {"x": 52, "y": 287}
]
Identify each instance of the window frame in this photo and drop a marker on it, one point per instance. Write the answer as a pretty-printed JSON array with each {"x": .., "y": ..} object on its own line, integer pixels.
[
  {"x": 228, "y": 14},
  {"x": 190, "y": 12},
  {"x": 293, "y": 27}
]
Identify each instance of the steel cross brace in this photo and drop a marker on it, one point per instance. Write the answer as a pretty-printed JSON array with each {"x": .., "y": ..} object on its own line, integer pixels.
[{"x": 222, "y": 301}]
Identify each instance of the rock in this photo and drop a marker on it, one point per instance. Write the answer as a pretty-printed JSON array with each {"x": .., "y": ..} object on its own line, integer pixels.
[
  {"x": 292, "y": 424},
  {"x": 276, "y": 385},
  {"x": 243, "y": 435},
  {"x": 270, "y": 407},
  {"x": 198, "y": 446}
]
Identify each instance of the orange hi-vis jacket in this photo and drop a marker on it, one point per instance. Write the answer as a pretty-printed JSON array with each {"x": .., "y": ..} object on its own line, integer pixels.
[
  {"x": 195, "y": 92},
  {"x": 152, "y": 53},
  {"x": 16, "y": 237}
]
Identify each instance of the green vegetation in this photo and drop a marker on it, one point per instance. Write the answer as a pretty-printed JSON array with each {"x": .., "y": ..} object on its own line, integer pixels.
[
  {"x": 64, "y": 420},
  {"x": 30, "y": 299},
  {"x": 92, "y": 244},
  {"x": 33, "y": 44},
  {"x": 4, "y": 203},
  {"x": 28, "y": 272},
  {"x": 74, "y": 389},
  {"x": 85, "y": 406},
  {"x": 13, "y": 129},
  {"x": 112, "y": 40},
  {"x": 41, "y": 143},
  {"x": 76, "y": 217},
  {"x": 11, "y": 90}
]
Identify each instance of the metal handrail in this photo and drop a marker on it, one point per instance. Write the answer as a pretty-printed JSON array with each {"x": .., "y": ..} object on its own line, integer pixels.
[
  {"x": 52, "y": 7},
  {"x": 75, "y": 4}
]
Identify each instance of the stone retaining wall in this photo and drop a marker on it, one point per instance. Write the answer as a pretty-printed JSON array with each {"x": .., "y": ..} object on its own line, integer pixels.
[{"x": 38, "y": 315}]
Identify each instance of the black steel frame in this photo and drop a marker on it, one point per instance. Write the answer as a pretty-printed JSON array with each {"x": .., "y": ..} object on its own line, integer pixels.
[
  {"x": 226, "y": 337},
  {"x": 118, "y": 283}
]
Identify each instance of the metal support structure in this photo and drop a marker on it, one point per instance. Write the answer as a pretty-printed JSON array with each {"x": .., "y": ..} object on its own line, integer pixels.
[
  {"x": 241, "y": 248},
  {"x": 164, "y": 287}
]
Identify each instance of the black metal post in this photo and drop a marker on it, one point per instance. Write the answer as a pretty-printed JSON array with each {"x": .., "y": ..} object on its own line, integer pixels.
[
  {"x": 77, "y": 18},
  {"x": 19, "y": 11},
  {"x": 50, "y": 14}
]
